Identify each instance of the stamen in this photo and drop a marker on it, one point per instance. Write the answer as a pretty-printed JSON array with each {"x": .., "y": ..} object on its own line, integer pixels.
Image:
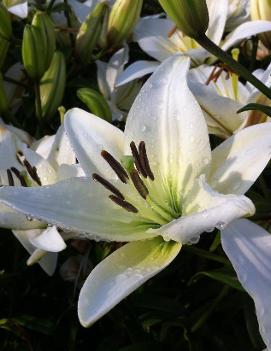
[
  {"x": 144, "y": 160},
  {"x": 138, "y": 164},
  {"x": 116, "y": 166},
  {"x": 10, "y": 178},
  {"x": 138, "y": 183},
  {"x": 19, "y": 176},
  {"x": 97, "y": 178},
  {"x": 172, "y": 31},
  {"x": 32, "y": 171},
  {"x": 124, "y": 204},
  {"x": 18, "y": 155},
  {"x": 36, "y": 176}
]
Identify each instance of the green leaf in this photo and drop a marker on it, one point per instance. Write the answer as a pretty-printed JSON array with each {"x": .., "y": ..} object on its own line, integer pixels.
[{"x": 222, "y": 277}]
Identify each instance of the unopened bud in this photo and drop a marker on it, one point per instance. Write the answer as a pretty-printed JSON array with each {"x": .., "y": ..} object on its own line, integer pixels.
[
  {"x": 43, "y": 22},
  {"x": 52, "y": 85},
  {"x": 190, "y": 16},
  {"x": 95, "y": 102},
  {"x": 122, "y": 19},
  {"x": 5, "y": 33},
  {"x": 261, "y": 10},
  {"x": 89, "y": 32},
  {"x": 34, "y": 52},
  {"x": 5, "y": 23}
]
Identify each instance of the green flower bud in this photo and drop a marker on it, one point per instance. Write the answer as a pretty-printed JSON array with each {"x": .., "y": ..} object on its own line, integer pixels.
[
  {"x": 190, "y": 16},
  {"x": 5, "y": 33},
  {"x": 89, "y": 32},
  {"x": 34, "y": 52},
  {"x": 261, "y": 10},
  {"x": 3, "y": 97},
  {"x": 52, "y": 85},
  {"x": 4, "y": 45},
  {"x": 5, "y": 23},
  {"x": 122, "y": 19},
  {"x": 43, "y": 22},
  {"x": 95, "y": 102}
]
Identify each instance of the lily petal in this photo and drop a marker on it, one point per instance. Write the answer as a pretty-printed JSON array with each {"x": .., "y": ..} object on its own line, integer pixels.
[
  {"x": 77, "y": 204},
  {"x": 151, "y": 35},
  {"x": 48, "y": 262},
  {"x": 239, "y": 160},
  {"x": 173, "y": 128},
  {"x": 89, "y": 135},
  {"x": 61, "y": 151},
  {"x": 219, "y": 111},
  {"x": 136, "y": 70},
  {"x": 245, "y": 31},
  {"x": 204, "y": 209},
  {"x": 217, "y": 19},
  {"x": 49, "y": 240},
  {"x": 20, "y": 10},
  {"x": 120, "y": 274},
  {"x": 10, "y": 218},
  {"x": 248, "y": 246}
]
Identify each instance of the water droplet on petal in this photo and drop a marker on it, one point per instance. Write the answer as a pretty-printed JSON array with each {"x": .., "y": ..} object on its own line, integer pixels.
[
  {"x": 220, "y": 225},
  {"x": 166, "y": 237}
]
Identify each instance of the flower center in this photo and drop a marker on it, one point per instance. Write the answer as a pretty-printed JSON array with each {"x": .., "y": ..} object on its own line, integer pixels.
[
  {"x": 225, "y": 80},
  {"x": 26, "y": 176},
  {"x": 139, "y": 192}
]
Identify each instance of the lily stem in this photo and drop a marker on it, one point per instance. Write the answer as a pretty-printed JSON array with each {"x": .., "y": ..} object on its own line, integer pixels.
[
  {"x": 38, "y": 101},
  {"x": 210, "y": 310},
  {"x": 239, "y": 69}
]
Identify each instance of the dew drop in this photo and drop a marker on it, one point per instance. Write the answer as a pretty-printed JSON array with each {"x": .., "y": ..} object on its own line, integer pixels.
[
  {"x": 166, "y": 237},
  {"x": 220, "y": 225}
]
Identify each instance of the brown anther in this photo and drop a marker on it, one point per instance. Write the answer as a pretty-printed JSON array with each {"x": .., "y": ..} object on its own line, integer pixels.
[
  {"x": 19, "y": 153},
  {"x": 116, "y": 166},
  {"x": 139, "y": 185},
  {"x": 10, "y": 178},
  {"x": 32, "y": 171},
  {"x": 19, "y": 176},
  {"x": 172, "y": 31},
  {"x": 124, "y": 204},
  {"x": 212, "y": 76},
  {"x": 144, "y": 160},
  {"x": 217, "y": 71},
  {"x": 136, "y": 156},
  {"x": 36, "y": 176},
  {"x": 96, "y": 177}
]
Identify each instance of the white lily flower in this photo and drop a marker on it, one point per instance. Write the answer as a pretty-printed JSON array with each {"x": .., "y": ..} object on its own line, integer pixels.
[
  {"x": 45, "y": 162},
  {"x": 169, "y": 188},
  {"x": 160, "y": 39},
  {"x": 119, "y": 99},
  {"x": 248, "y": 246},
  {"x": 221, "y": 94}
]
